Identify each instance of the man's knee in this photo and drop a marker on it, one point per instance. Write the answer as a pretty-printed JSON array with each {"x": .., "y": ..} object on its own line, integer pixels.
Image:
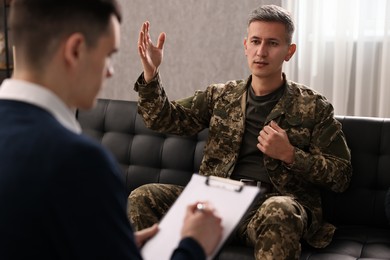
[
  {"x": 281, "y": 213},
  {"x": 282, "y": 208},
  {"x": 277, "y": 227},
  {"x": 154, "y": 195},
  {"x": 148, "y": 203},
  {"x": 141, "y": 195}
]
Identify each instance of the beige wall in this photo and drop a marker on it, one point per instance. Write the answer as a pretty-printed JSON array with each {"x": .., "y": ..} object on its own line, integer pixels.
[{"x": 204, "y": 44}]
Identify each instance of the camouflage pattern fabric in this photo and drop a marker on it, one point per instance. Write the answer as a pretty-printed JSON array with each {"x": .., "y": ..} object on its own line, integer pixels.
[
  {"x": 322, "y": 157},
  {"x": 275, "y": 228},
  {"x": 148, "y": 203}
]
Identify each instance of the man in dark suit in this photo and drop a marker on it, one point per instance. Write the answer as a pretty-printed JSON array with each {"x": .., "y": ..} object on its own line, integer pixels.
[{"x": 61, "y": 193}]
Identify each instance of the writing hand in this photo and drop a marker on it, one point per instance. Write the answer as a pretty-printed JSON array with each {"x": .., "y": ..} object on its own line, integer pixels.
[{"x": 204, "y": 226}]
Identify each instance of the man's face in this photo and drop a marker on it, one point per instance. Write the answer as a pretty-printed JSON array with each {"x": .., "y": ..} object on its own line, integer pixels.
[
  {"x": 98, "y": 66},
  {"x": 266, "y": 49}
]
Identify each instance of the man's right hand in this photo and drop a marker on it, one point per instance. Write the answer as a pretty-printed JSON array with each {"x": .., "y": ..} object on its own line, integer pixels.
[
  {"x": 150, "y": 54},
  {"x": 204, "y": 226}
]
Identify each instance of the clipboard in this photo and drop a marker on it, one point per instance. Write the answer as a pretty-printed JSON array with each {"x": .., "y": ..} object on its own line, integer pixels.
[{"x": 230, "y": 198}]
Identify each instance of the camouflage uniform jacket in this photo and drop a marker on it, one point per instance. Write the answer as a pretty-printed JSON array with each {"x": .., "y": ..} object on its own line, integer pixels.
[{"x": 322, "y": 157}]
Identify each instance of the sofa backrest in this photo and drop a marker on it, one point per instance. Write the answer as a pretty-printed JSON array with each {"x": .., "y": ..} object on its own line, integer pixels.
[
  {"x": 144, "y": 155},
  {"x": 149, "y": 157},
  {"x": 369, "y": 141}
]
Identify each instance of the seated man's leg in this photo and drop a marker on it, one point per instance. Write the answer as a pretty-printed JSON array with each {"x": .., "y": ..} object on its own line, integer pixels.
[
  {"x": 277, "y": 227},
  {"x": 148, "y": 203}
]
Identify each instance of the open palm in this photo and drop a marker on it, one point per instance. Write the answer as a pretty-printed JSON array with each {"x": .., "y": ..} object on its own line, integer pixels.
[{"x": 151, "y": 55}]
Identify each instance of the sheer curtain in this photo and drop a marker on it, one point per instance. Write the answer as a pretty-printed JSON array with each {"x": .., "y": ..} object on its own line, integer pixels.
[{"x": 343, "y": 51}]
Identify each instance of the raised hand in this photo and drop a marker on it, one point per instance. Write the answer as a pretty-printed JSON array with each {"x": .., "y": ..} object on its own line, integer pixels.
[{"x": 151, "y": 55}]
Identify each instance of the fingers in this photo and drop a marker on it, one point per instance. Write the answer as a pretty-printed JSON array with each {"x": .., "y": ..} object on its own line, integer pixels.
[
  {"x": 266, "y": 135},
  {"x": 273, "y": 141},
  {"x": 161, "y": 40},
  {"x": 275, "y": 126},
  {"x": 204, "y": 225},
  {"x": 141, "y": 51},
  {"x": 202, "y": 210},
  {"x": 147, "y": 40},
  {"x": 144, "y": 235},
  {"x": 269, "y": 130},
  {"x": 143, "y": 39},
  {"x": 151, "y": 55},
  {"x": 202, "y": 207}
]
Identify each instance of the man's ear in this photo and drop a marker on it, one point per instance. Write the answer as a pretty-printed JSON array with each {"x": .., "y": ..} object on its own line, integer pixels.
[
  {"x": 291, "y": 50},
  {"x": 245, "y": 45},
  {"x": 74, "y": 48}
]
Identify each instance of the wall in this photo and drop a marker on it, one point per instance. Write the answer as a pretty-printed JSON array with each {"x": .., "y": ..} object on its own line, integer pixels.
[{"x": 204, "y": 44}]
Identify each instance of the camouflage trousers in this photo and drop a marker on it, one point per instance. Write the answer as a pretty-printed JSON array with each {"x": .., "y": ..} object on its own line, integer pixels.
[{"x": 274, "y": 225}]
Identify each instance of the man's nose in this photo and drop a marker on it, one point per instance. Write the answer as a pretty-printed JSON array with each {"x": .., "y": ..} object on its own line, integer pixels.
[
  {"x": 109, "y": 72},
  {"x": 262, "y": 50},
  {"x": 109, "y": 68}
]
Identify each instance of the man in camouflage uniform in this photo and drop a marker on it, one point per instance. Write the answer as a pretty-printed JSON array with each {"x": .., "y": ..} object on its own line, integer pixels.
[{"x": 265, "y": 130}]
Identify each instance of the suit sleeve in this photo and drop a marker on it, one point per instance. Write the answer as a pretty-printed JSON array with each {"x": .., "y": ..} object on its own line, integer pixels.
[
  {"x": 188, "y": 249},
  {"x": 89, "y": 203}
]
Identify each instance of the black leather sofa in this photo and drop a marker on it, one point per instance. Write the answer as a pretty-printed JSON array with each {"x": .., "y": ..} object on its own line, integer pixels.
[{"x": 359, "y": 214}]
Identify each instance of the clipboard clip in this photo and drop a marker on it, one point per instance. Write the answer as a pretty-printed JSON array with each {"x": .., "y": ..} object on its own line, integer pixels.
[{"x": 224, "y": 183}]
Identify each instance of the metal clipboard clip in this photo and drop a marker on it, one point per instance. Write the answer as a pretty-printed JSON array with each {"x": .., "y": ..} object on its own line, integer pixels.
[{"x": 224, "y": 183}]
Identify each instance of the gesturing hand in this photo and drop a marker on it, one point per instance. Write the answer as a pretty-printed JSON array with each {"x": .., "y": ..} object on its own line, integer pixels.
[
  {"x": 151, "y": 55},
  {"x": 274, "y": 142}
]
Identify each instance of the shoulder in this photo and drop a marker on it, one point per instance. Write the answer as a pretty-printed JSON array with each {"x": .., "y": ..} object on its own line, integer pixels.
[
  {"x": 85, "y": 150},
  {"x": 303, "y": 104},
  {"x": 231, "y": 85},
  {"x": 69, "y": 152},
  {"x": 231, "y": 88},
  {"x": 306, "y": 98},
  {"x": 302, "y": 91},
  {"x": 228, "y": 91}
]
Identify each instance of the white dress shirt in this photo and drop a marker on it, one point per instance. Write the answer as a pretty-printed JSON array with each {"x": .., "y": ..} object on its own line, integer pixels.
[{"x": 34, "y": 94}]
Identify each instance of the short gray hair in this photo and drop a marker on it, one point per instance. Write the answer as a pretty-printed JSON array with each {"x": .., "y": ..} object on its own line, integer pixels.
[{"x": 273, "y": 13}]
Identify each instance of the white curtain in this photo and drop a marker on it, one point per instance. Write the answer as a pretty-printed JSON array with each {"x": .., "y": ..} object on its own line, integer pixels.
[{"x": 343, "y": 52}]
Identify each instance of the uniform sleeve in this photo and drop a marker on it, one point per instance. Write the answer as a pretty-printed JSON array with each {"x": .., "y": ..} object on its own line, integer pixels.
[
  {"x": 328, "y": 160},
  {"x": 185, "y": 117}
]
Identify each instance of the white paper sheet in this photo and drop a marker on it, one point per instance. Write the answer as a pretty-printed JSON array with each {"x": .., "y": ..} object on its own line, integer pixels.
[{"x": 230, "y": 199}]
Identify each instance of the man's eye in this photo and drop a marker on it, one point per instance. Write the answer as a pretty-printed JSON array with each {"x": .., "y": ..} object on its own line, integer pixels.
[{"x": 274, "y": 44}]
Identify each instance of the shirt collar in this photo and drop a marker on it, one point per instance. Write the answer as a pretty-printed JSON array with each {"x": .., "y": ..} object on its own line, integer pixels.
[{"x": 37, "y": 95}]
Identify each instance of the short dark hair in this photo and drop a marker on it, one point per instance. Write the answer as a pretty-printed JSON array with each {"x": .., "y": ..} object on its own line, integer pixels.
[
  {"x": 273, "y": 13},
  {"x": 38, "y": 26}
]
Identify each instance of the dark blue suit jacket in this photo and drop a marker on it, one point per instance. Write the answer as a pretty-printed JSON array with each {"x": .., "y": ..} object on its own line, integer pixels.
[{"x": 62, "y": 195}]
